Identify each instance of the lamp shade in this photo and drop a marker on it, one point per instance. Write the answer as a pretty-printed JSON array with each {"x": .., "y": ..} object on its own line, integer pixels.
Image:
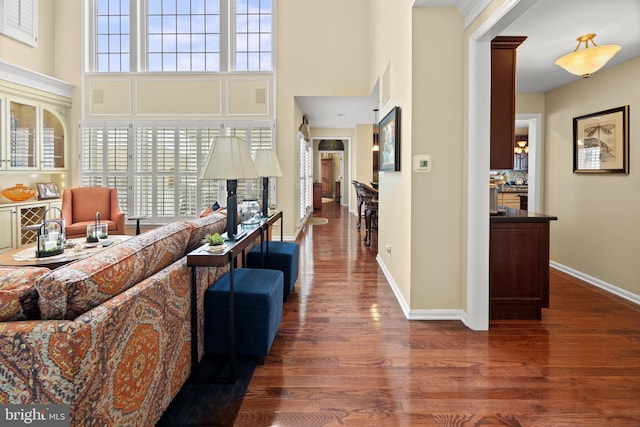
[
  {"x": 267, "y": 163},
  {"x": 229, "y": 158},
  {"x": 588, "y": 60}
]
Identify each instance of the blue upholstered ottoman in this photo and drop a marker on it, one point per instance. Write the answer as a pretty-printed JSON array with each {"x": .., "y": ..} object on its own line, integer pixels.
[
  {"x": 281, "y": 256},
  {"x": 258, "y": 312}
]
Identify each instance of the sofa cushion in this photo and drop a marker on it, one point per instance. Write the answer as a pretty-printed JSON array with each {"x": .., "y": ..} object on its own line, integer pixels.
[
  {"x": 18, "y": 295},
  {"x": 71, "y": 290},
  {"x": 209, "y": 224}
]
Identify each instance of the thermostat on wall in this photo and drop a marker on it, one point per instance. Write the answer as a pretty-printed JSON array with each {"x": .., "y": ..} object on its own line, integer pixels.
[{"x": 422, "y": 163}]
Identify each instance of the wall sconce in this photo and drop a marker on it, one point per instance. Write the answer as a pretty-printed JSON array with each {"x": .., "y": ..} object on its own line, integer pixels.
[{"x": 588, "y": 60}]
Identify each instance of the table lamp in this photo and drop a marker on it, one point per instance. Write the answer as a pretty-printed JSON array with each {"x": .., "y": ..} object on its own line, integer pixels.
[
  {"x": 230, "y": 159},
  {"x": 267, "y": 165}
]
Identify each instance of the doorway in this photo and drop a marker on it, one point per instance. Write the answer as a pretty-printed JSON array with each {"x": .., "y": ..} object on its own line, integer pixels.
[{"x": 331, "y": 173}]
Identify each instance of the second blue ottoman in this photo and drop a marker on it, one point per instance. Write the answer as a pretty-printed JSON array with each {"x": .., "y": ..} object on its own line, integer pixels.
[
  {"x": 258, "y": 312},
  {"x": 281, "y": 256}
]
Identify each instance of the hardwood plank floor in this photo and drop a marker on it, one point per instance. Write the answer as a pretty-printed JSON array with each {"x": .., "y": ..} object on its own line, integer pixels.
[{"x": 346, "y": 355}]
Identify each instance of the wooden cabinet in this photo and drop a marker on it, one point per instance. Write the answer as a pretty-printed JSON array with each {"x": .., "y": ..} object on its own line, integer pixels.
[
  {"x": 317, "y": 195},
  {"x": 503, "y": 100},
  {"x": 327, "y": 176},
  {"x": 518, "y": 266},
  {"x": 510, "y": 200}
]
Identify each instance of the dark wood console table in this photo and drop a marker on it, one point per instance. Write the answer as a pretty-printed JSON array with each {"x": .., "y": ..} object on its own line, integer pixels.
[
  {"x": 518, "y": 264},
  {"x": 201, "y": 257}
]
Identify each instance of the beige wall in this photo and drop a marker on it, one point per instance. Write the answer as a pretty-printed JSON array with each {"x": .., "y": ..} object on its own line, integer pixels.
[
  {"x": 436, "y": 197},
  {"x": 391, "y": 46},
  {"x": 597, "y": 231},
  {"x": 314, "y": 58},
  {"x": 40, "y": 58}
]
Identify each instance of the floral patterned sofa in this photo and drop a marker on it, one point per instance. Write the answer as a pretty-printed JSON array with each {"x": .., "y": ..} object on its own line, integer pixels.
[{"x": 109, "y": 335}]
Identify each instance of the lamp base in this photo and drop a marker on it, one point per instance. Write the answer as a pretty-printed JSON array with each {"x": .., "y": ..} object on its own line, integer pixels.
[{"x": 239, "y": 235}]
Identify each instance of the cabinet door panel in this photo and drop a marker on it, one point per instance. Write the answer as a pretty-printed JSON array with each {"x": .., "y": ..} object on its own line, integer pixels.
[
  {"x": 8, "y": 226},
  {"x": 53, "y": 147},
  {"x": 22, "y": 136}
]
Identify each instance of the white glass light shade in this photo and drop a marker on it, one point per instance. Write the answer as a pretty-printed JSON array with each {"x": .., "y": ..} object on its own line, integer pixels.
[
  {"x": 588, "y": 60},
  {"x": 229, "y": 158},
  {"x": 267, "y": 163}
]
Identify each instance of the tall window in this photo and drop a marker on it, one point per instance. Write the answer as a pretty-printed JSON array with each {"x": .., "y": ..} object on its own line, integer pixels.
[
  {"x": 156, "y": 165},
  {"x": 306, "y": 178},
  {"x": 183, "y": 35},
  {"x": 112, "y": 36},
  {"x": 180, "y": 35},
  {"x": 253, "y": 35}
]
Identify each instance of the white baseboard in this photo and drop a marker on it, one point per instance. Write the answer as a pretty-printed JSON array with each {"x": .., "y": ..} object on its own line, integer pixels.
[
  {"x": 427, "y": 314},
  {"x": 461, "y": 315},
  {"x": 622, "y": 293}
]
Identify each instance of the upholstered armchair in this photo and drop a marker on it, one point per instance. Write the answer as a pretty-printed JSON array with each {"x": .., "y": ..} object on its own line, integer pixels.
[{"x": 79, "y": 207}]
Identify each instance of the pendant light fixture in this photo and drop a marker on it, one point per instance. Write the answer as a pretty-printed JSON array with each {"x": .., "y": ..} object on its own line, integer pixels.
[{"x": 588, "y": 60}]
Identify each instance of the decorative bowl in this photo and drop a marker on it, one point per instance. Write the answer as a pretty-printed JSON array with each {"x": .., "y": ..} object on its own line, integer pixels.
[
  {"x": 216, "y": 248},
  {"x": 18, "y": 193}
]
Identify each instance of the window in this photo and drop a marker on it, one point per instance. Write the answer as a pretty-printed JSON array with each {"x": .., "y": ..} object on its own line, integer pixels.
[
  {"x": 155, "y": 165},
  {"x": 306, "y": 178},
  {"x": 253, "y": 35},
  {"x": 181, "y": 35},
  {"x": 112, "y": 36},
  {"x": 19, "y": 20}
]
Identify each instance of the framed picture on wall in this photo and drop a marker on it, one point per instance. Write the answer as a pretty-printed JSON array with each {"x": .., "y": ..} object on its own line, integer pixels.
[
  {"x": 389, "y": 134},
  {"x": 601, "y": 142}
]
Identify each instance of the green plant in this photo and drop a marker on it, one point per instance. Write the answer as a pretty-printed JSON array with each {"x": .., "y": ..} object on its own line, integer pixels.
[{"x": 214, "y": 239}]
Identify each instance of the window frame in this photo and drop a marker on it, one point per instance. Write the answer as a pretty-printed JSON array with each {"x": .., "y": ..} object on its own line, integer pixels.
[
  {"x": 204, "y": 192},
  {"x": 138, "y": 45}
]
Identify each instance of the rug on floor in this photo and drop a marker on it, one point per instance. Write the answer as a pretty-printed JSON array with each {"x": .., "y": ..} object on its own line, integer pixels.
[
  {"x": 312, "y": 220},
  {"x": 210, "y": 404}
]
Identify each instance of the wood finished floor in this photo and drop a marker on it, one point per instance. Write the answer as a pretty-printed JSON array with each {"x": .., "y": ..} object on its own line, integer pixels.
[{"x": 346, "y": 355}]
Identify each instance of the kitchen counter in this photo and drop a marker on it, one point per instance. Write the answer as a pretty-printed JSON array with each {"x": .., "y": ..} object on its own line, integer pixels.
[
  {"x": 518, "y": 264},
  {"x": 522, "y": 189},
  {"x": 519, "y": 215}
]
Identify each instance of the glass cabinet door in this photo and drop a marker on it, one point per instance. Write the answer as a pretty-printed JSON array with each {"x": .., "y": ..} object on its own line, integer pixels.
[
  {"x": 52, "y": 141},
  {"x": 3, "y": 158},
  {"x": 22, "y": 144}
]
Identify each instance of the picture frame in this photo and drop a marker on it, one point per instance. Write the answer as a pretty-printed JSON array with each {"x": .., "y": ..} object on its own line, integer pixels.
[
  {"x": 47, "y": 190},
  {"x": 601, "y": 142},
  {"x": 389, "y": 135}
]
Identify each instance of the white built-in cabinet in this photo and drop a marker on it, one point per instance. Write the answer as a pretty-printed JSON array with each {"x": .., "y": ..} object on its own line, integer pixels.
[
  {"x": 15, "y": 219},
  {"x": 34, "y": 143}
]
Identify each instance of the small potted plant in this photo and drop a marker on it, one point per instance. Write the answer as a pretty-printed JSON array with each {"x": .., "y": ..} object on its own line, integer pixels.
[{"x": 215, "y": 242}]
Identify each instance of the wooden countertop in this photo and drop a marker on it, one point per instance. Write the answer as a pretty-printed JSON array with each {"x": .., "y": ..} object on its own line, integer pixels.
[{"x": 518, "y": 215}]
